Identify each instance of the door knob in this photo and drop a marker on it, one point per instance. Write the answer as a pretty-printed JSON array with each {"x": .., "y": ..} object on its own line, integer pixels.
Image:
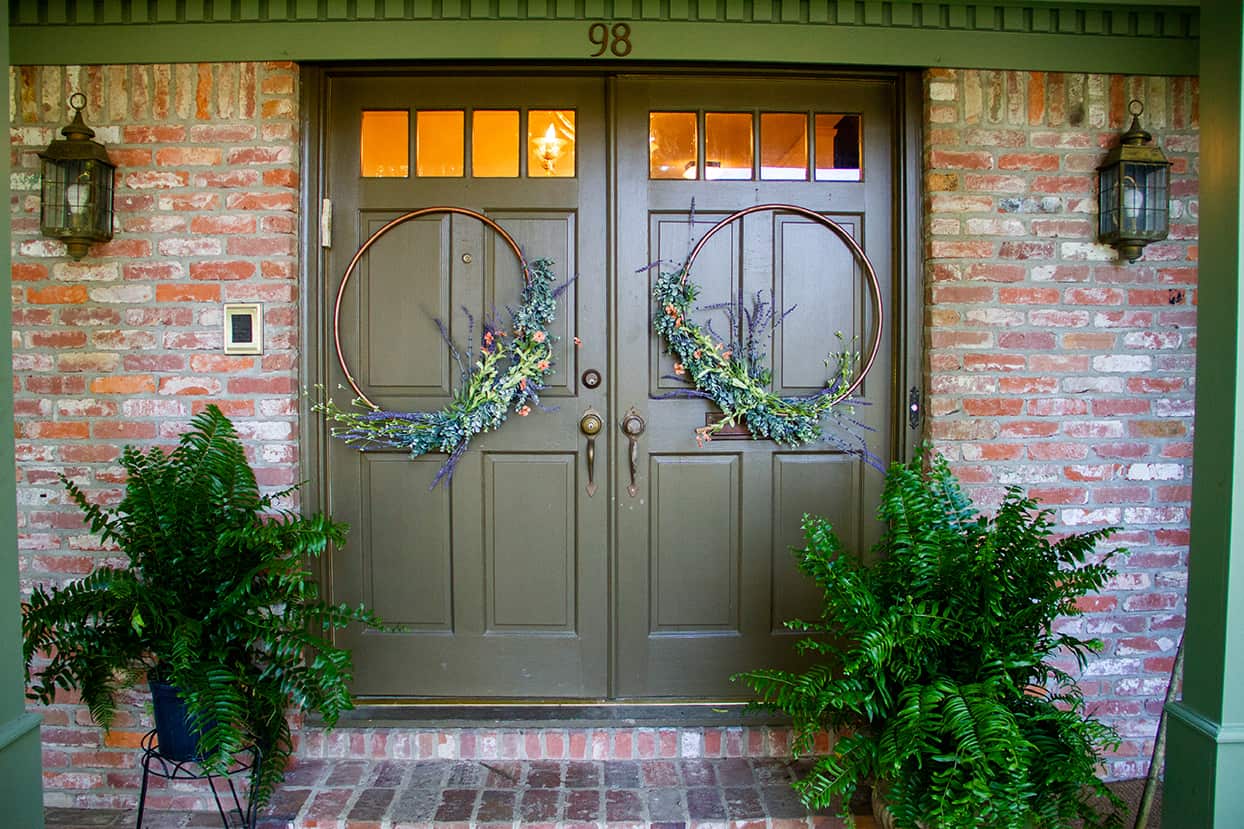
[
  {"x": 633, "y": 427},
  {"x": 591, "y": 424}
]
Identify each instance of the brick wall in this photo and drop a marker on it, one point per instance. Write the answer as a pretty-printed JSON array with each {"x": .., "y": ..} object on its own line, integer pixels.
[
  {"x": 125, "y": 346},
  {"x": 1051, "y": 365}
]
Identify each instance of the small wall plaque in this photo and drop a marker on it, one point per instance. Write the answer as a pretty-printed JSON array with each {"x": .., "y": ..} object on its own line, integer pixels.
[{"x": 244, "y": 328}]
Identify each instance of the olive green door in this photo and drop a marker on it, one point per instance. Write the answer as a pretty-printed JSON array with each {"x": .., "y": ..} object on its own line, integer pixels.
[
  {"x": 513, "y": 581},
  {"x": 500, "y": 577},
  {"x": 705, "y": 577}
]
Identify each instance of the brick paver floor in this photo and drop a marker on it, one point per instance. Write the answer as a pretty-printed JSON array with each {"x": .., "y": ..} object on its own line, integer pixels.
[
  {"x": 439, "y": 794},
  {"x": 393, "y": 794}
]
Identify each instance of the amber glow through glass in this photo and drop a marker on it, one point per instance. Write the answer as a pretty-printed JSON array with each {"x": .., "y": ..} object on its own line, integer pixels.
[
  {"x": 728, "y": 145},
  {"x": 550, "y": 143},
  {"x": 494, "y": 143},
  {"x": 439, "y": 143},
  {"x": 385, "y": 144},
  {"x": 672, "y": 150}
]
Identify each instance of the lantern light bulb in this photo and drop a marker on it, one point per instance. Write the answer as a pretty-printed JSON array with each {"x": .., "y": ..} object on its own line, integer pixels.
[
  {"x": 77, "y": 198},
  {"x": 1133, "y": 202}
]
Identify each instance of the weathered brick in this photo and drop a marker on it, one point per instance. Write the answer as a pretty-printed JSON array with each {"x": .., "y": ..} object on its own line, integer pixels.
[{"x": 1100, "y": 353}]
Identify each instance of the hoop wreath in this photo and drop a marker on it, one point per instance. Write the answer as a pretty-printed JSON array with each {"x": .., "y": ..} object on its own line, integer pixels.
[
  {"x": 509, "y": 373},
  {"x": 735, "y": 381}
]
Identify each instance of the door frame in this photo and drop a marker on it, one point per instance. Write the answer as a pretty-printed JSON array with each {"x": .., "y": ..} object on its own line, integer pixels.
[{"x": 906, "y": 315}]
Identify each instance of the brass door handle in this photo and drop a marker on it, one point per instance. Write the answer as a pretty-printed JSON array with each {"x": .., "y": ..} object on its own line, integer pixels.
[
  {"x": 591, "y": 424},
  {"x": 633, "y": 427}
]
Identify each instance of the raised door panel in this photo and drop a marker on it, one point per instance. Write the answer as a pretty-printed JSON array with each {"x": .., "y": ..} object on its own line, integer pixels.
[
  {"x": 671, "y": 236},
  {"x": 530, "y": 549},
  {"x": 817, "y": 288},
  {"x": 407, "y": 542},
  {"x": 550, "y": 235},
  {"x": 821, "y": 484},
  {"x": 695, "y": 563}
]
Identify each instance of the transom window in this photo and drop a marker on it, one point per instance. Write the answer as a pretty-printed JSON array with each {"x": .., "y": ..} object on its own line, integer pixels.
[
  {"x": 722, "y": 146},
  {"x": 479, "y": 143}
]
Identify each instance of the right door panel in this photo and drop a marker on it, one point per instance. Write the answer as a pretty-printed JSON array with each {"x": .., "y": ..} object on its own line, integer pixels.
[{"x": 704, "y": 573}]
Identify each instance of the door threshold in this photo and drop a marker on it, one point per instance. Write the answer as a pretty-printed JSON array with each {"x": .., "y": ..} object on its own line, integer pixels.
[{"x": 552, "y": 714}]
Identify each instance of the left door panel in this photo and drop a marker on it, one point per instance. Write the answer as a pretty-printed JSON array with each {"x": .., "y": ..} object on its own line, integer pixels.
[{"x": 499, "y": 578}]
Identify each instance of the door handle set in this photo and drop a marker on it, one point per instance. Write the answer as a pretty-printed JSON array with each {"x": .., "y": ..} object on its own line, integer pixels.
[
  {"x": 632, "y": 426},
  {"x": 591, "y": 424}
]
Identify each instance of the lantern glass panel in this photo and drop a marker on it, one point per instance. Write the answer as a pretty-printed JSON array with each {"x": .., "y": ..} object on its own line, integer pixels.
[
  {"x": 54, "y": 217},
  {"x": 1144, "y": 200},
  {"x": 1108, "y": 219}
]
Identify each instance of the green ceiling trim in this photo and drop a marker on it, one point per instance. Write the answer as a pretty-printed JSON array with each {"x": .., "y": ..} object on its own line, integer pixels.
[{"x": 1143, "y": 39}]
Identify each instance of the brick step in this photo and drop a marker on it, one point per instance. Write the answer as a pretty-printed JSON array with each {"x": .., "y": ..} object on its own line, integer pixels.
[{"x": 542, "y": 742}]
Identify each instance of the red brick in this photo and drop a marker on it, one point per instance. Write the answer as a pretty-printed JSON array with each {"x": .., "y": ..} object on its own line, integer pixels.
[
  {"x": 1059, "y": 495},
  {"x": 1027, "y": 340},
  {"x": 58, "y": 339},
  {"x": 1029, "y": 428},
  {"x": 124, "y": 384},
  {"x": 260, "y": 246},
  {"x": 1057, "y": 407},
  {"x": 1057, "y": 451},
  {"x": 1122, "y": 406},
  {"x": 960, "y": 160},
  {"x": 158, "y": 134},
  {"x": 219, "y": 271},
  {"x": 281, "y": 178},
  {"x": 187, "y": 293},
  {"x": 960, "y": 250},
  {"x": 57, "y": 430},
  {"x": 218, "y": 179},
  {"x": 152, "y": 362},
  {"x": 993, "y": 362},
  {"x": 1026, "y": 250},
  {"x": 28, "y": 272},
  {"x": 57, "y": 295},
  {"x": 1027, "y": 385},
  {"x": 993, "y": 406},
  {"x": 263, "y": 385},
  {"x": 1028, "y": 161}
]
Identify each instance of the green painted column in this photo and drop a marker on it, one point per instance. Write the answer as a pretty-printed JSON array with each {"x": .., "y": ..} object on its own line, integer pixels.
[
  {"x": 1205, "y": 750},
  {"x": 21, "y": 768}
]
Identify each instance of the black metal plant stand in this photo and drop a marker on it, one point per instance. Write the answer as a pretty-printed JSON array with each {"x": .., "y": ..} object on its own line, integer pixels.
[{"x": 155, "y": 763}]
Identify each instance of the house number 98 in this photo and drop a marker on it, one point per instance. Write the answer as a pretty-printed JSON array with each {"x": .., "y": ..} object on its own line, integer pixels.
[{"x": 615, "y": 40}]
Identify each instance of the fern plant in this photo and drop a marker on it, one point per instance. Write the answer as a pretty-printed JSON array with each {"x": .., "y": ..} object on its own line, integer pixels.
[
  {"x": 936, "y": 664},
  {"x": 216, "y": 599}
]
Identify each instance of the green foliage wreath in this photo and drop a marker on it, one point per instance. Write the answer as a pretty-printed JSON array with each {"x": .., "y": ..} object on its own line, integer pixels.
[
  {"x": 508, "y": 375},
  {"x": 732, "y": 373}
]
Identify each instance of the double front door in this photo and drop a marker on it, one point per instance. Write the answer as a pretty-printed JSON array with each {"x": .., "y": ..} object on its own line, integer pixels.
[{"x": 671, "y": 568}]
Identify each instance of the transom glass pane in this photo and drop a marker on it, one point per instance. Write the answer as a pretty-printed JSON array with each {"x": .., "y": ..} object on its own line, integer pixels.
[
  {"x": 728, "y": 145},
  {"x": 384, "y": 150},
  {"x": 494, "y": 143},
  {"x": 838, "y": 148},
  {"x": 550, "y": 143},
  {"x": 784, "y": 146},
  {"x": 672, "y": 145},
  {"x": 439, "y": 143}
]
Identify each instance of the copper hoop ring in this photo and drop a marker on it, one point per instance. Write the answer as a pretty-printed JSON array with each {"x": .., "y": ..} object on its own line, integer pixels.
[
  {"x": 371, "y": 240},
  {"x": 874, "y": 285}
]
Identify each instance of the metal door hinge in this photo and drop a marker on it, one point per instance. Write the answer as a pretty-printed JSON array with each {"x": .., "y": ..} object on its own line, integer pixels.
[
  {"x": 326, "y": 223},
  {"x": 914, "y": 410}
]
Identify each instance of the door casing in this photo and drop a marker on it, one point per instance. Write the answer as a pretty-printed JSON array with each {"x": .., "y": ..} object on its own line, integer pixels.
[{"x": 904, "y": 318}]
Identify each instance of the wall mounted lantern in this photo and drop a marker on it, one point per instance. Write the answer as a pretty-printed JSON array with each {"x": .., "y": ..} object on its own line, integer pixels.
[
  {"x": 1133, "y": 191},
  {"x": 76, "y": 199}
]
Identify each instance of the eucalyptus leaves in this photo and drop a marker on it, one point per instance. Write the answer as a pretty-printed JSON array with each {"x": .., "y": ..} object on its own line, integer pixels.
[
  {"x": 732, "y": 373},
  {"x": 507, "y": 376}
]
